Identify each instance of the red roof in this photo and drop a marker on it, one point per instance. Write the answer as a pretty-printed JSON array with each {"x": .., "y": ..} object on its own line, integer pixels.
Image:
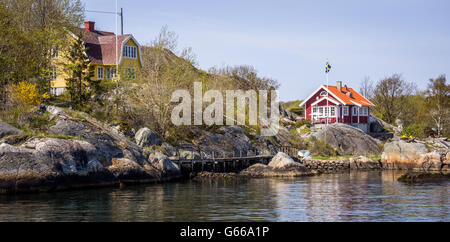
[
  {"x": 349, "y": 96},
  {"x": 101, "y": 45}
]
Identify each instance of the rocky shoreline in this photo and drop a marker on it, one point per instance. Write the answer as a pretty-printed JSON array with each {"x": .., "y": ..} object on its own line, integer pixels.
[{"x": 82, "y": 152}]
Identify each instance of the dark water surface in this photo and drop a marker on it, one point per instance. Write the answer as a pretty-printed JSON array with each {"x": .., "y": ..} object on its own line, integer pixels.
[{"x": 351, "y": 196}]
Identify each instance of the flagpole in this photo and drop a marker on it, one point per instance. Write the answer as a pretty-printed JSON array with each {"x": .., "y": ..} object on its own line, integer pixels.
[
  {"x": 328, "y": 109},
  {"x": 117, "y": 47}
]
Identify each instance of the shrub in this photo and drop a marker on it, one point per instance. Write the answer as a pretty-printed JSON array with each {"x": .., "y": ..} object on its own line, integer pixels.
[
  {"x": 302, "y": 122},
  {"x": 26, "y": 93},
  {"x": 414, "y": 130},
  {"x": 319, "y": 147}
]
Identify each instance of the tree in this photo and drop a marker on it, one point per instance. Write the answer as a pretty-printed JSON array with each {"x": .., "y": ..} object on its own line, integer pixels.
[
  {"x": 160, "y": 76},
  {"x": 438, "y": 103},
  {"x": 366, "y": 88},
  {"x": 166, "y": 39},
  {"x": 389, "y": 97},
  {"x": 79, "y": 70},
  {"x": 34, "y": 27},
  {"x": 246, "y": 77}
]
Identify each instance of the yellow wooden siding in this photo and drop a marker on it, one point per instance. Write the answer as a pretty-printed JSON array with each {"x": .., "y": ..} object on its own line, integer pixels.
[{"x": 126, "y": 63}]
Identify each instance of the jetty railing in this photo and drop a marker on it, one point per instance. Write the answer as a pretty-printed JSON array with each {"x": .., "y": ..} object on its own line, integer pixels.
[{"x": 198, "y": 160}]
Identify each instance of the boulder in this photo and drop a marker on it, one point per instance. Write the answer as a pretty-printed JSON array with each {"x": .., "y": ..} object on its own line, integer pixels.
[
  {"x": 282, "y": 161},
  {"x": 305, "y": 154},
  {"x": 162, "y": 162},
  {"x": 414, "y": 177},
  {"x": 281, "y": 165},
  {"x": 54, "y": 111},
  {"x": 169, "y": 150},
  {"x": 429, "y": 162},
  {"x": 348, "y": 140},
  {"x": 402, "y": 155},
  {"x": 363, "y": 163},
  {"x": 129, "y": 171},
  {"x": 146, "y": 137},
  {"x": 8, "y": 130}
]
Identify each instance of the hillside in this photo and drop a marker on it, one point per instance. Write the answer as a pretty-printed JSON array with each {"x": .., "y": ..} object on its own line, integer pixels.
[{"x": 293, "y": 107}]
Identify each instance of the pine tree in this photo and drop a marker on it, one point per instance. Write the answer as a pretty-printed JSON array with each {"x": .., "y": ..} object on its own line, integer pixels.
[{"x": 80, "y": 72}]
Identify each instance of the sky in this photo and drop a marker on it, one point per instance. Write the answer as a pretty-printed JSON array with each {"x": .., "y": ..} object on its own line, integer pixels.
[{"x": 291, "y": 40}]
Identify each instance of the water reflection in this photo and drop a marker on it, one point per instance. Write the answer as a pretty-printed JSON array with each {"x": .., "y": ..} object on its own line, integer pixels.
[{"x": 351, "y": 196}]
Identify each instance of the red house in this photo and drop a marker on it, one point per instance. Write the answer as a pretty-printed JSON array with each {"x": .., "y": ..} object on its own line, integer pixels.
[{"x": 340, "y": 104}]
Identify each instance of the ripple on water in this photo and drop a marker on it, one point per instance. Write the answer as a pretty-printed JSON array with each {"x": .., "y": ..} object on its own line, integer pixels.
[{"x": 351, "y": 196}]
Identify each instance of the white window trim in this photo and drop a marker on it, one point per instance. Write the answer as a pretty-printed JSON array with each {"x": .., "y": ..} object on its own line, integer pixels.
[
  {"x": 127, "y": 74},
  {"x": 321, "y": 111},
  {"x": 364, "y": 111},
  {"x": 355, "y": 111},
  {"x": 130, "y": 52},
  {"x": 54, "y": 74},
  {"x": 345, "y": 110},
  {"x": 98, "y": 72}
]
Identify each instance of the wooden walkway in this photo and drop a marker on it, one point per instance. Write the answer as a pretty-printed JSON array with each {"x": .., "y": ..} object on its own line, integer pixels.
[{"x": 225, "y": 164}]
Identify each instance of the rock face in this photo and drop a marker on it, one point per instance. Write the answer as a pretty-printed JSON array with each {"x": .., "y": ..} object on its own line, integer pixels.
[
  {"x": 8, "y": 130},
  {"x": 413, "y": 177},
  {"x": 348, "y": 140},
  {"x": 91, "y": 155},
  {"x": 108, "y": 144},
  {"x": 146, "y": 137},
  {"x": 414, "y": 156},
  {"x": 280, "y": 166},
  {"x": 402, "y": 155},
  {"x": 363, "y": 163}
]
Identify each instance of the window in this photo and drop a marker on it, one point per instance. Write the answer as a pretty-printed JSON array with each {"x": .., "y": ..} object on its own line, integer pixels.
[
  {"x": 332, "y": 111},
  {"x": 321, "y": 111},
  {"x": 130, "y": 73},
  {"x": 54, "y": 52},
  {"x": 326, "y": 111},
  {"x": 314, "y": 110},
  {"x": 323, "y": 94},
  {"x": 53, "y": 73},
  {"x": 110, "y": 73},
  {"x": 100, "y": 72},
  {"x": 364, "y": 111},
  {"x": 355, "y": 111},
  {"x": 130, "y": 52},
  {"x": 345, "y": 110}
]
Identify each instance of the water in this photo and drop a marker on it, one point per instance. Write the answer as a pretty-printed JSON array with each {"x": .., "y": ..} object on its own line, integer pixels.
[{"x": 351, "y": 196}]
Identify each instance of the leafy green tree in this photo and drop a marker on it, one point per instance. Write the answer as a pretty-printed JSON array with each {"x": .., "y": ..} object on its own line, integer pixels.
[
  {"x": 80, "y": 72},
  {"x": 32, "y": 29},
  {"x": 389, "y": 97}
]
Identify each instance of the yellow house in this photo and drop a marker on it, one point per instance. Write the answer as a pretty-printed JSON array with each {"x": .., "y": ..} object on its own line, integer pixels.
[{"x": 102, "y": 52}]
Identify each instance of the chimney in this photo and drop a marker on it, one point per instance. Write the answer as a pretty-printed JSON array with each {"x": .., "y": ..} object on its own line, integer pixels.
[
  {"x": 89, "y": 25},
  {"x": 339, "y": 85}
]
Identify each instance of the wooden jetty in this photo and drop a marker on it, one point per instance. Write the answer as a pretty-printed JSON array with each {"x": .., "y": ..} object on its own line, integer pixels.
[{"x": 225, "y": 164}]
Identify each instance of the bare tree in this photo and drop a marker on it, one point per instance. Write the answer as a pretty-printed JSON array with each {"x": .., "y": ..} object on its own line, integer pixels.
[
  {"x": 246, "y": 77},
  {"x": 166, "y": 39},
  {"x": 438, "y": 103},
  {"x": 366, "y": 88}
]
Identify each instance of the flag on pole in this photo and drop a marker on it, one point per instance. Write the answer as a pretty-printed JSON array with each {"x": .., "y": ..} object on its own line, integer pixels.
[{"x": 327, "y": 67}]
